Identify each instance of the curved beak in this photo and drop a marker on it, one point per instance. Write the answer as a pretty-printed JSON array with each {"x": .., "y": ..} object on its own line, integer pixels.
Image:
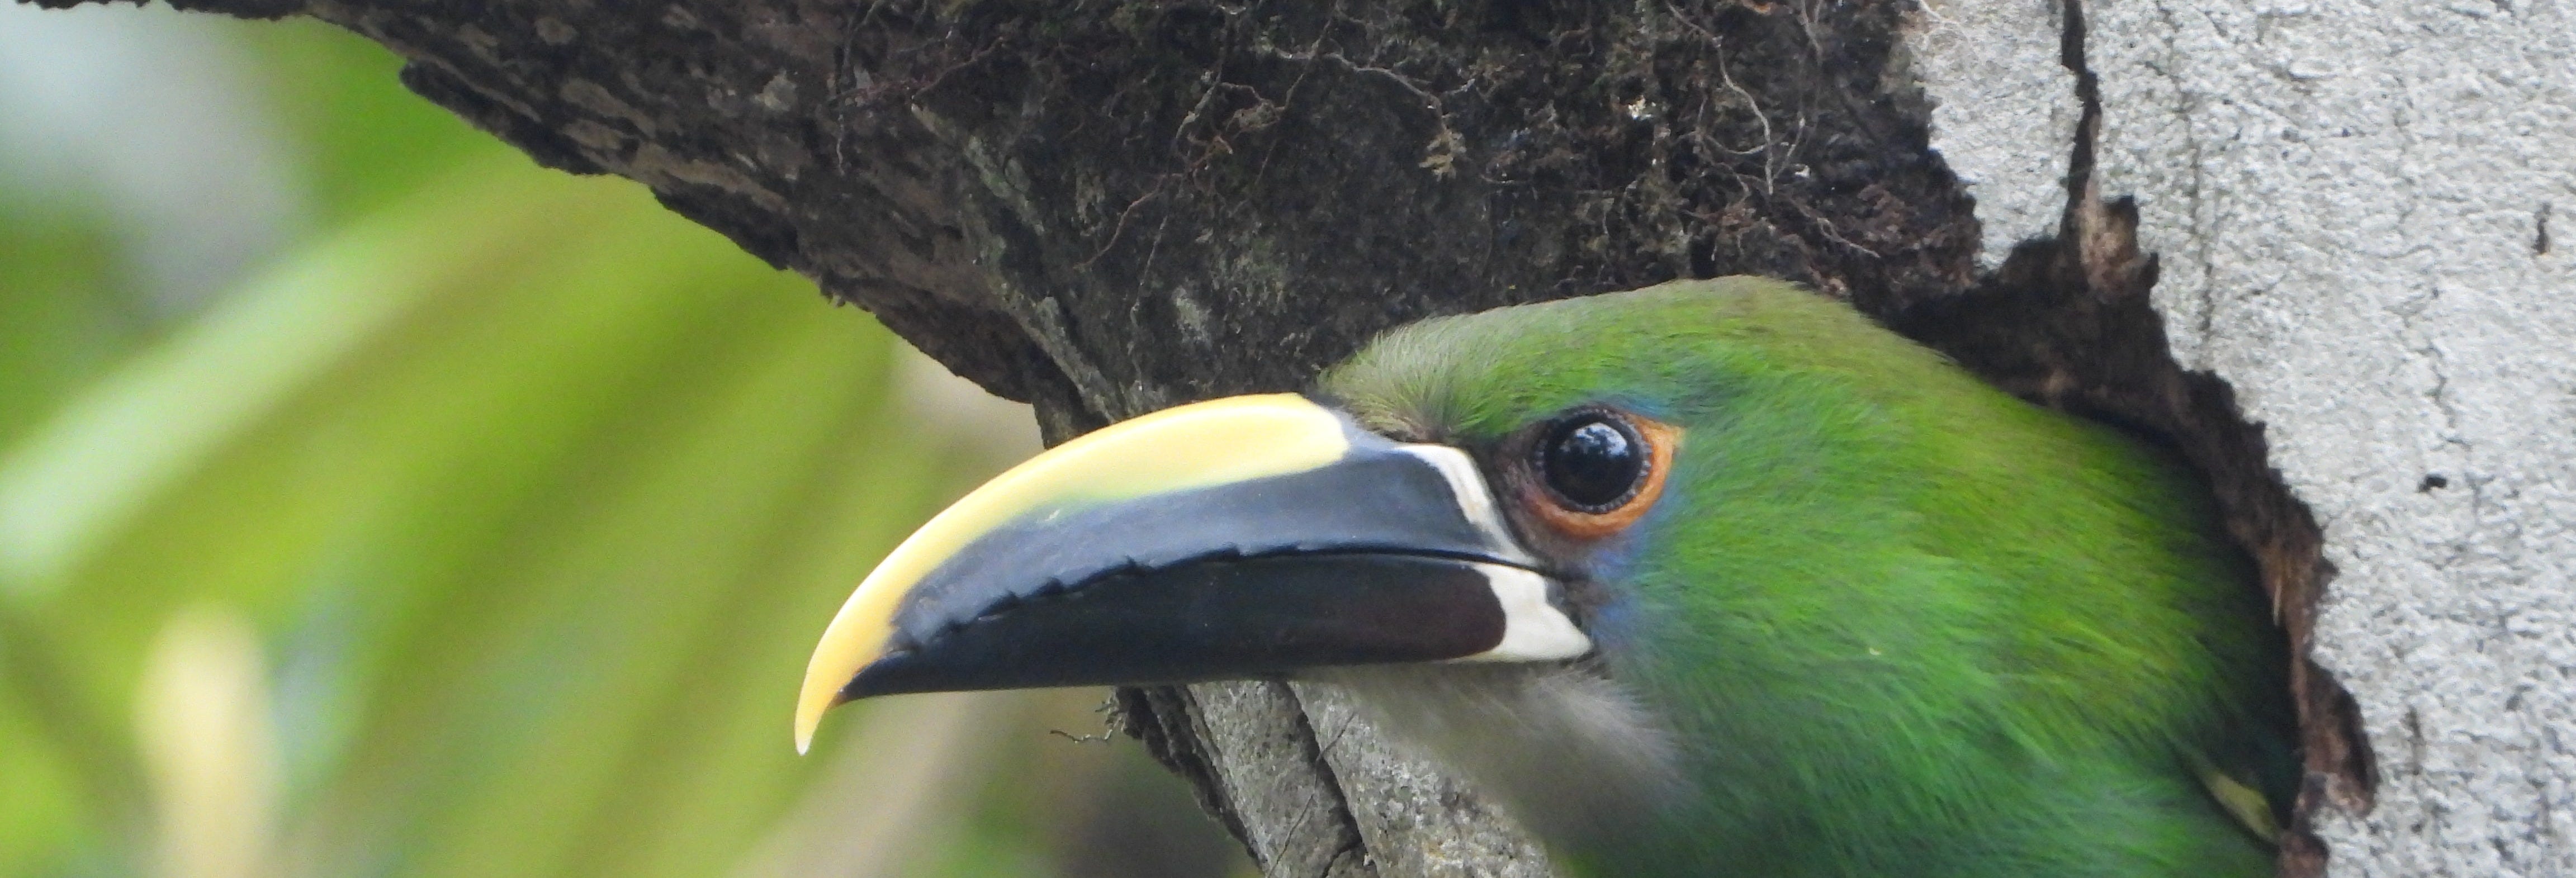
[{"x": 1240, "y": 537}]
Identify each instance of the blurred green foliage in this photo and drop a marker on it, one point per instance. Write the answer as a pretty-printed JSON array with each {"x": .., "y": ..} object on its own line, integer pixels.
[{"x": 483, "y": 532}]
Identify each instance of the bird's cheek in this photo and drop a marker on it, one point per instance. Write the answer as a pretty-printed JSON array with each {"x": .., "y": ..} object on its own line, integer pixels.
[
  {"x": 1617, "y": 582},
  {"x": 1597, "y": 578}
]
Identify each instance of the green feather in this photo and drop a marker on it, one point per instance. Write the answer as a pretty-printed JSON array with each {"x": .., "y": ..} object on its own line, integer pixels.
[{"x": 1896, "y": 622}]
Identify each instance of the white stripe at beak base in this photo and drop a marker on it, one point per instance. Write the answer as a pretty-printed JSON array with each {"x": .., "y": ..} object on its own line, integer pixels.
[{"x": 1534, "y": 630}]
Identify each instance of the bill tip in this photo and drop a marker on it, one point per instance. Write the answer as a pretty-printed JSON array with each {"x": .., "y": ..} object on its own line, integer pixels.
[{"x": 807, "y": 720}]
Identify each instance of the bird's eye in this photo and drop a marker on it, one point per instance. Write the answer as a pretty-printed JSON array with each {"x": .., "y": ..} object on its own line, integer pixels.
[
  {"x": 1594, "y": 471},
  {"x": 1593, "y": 461}
]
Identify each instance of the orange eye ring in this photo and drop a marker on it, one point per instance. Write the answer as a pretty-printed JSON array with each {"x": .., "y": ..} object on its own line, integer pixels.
[{"x": 1577, "y": 521}]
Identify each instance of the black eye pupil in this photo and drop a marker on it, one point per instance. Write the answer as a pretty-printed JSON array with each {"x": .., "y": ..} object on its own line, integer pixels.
[{"x": 1592, "y": 462}]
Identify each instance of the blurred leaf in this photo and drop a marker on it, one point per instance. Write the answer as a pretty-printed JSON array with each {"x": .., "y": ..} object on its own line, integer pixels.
[
  {"x": 68, "y": 486},
  {"x": 535, "y": 496},
  {"x": 61, "y": 319},
  {"x": 544, "y": 489},
  {"x": 204, "y": 715}
]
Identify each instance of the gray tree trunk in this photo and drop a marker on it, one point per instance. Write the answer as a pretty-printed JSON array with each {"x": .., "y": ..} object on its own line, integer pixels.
[
  {"x": 2308, "y": 243},
  {"x": 2352, "y": 206}
]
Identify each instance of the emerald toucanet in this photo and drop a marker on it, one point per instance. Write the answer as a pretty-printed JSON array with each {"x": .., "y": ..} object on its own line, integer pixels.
[{"x": 1711, "y": 578}]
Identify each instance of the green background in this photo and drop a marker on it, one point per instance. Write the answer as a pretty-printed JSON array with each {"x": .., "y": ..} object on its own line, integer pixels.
[{"x": 476, "y": 522}]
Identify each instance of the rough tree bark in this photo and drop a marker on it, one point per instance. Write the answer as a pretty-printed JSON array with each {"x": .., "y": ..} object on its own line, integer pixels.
[{"x": 2330, "y": 217}]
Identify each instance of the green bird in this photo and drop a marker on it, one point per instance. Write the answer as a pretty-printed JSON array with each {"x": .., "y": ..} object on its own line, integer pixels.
[{"x": 1710, "y": 578}]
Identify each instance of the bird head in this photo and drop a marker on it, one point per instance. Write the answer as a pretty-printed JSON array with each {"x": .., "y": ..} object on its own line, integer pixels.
[
  {"x": 1473, "y": 503},
  {"x": 1721, "y": 540}
]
